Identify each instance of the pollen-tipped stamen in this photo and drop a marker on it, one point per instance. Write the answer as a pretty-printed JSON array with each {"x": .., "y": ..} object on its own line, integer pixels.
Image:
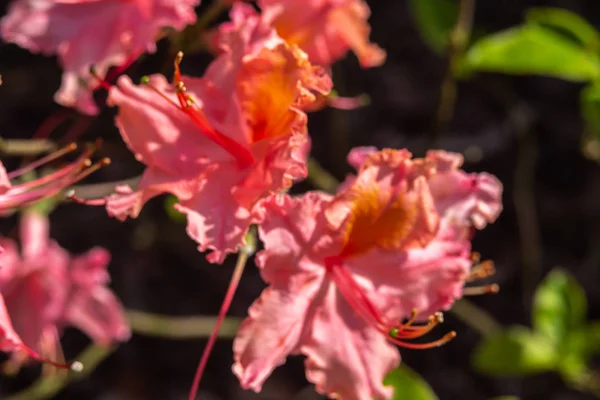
[
  {"x": 482, "y": 270},
  {"x": 44, "y": 160},
  {"x": 424, "y": 346},
  {"x": 480, "y": 290},
  {"x": 188, "y": 105},
  {"x": 73, "y": 366},
  {"x": 365, "y": 309}
]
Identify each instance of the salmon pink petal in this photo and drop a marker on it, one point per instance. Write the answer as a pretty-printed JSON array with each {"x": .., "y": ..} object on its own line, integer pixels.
[
  {"x": 215, "y": 220},
  {"x": 156, "y": 130},
  {"x": 426, "y": 279},
  {"x": 277, "y": 319},
  {"x": 92, "y": 307},
  {"x": 91, "y": 33},
  {"x": 464, "y": 198},
  {"x": 345, "y": 358},
  {"x": 9, "y": 338},
  {"x": 270, "y": 333},
  {"x": 35, "y": 230},
  {"x": 358, "y": 155},
  {"x": 325, "y": 29}
]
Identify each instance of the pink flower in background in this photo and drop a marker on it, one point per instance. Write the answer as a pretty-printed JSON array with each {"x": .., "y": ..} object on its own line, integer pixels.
[
  {"x": 325, "y": 29},
  {"x": 345, "y": 270},
  {"x": 45, "y": 289},
  {"x": 222, "y": 142},
  {"x": 13, "y": 197},
  {"x": 85, "y": 33}
]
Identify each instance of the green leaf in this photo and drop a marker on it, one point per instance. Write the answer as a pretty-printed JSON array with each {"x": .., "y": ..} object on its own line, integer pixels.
[
  {"x": 577, "y": 350},
  {"x": 531, "y": 50},
  {"x": 408, "y": 384},
  {"x": 590, "y": 108},
  {"x": 514, "y": 352},
  {"x": 559, "y": 305},
  {"x": 566, "y": 22},
  {"x": 173, "y": 214},
  {"x": 435, "y": 19}
]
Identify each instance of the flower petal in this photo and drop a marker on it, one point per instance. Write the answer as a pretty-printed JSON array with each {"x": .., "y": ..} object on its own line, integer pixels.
[
  {"x": 464, "y": 198},
  {"x": 345, "y": 358},
  {"x": 428, "y": 279}
]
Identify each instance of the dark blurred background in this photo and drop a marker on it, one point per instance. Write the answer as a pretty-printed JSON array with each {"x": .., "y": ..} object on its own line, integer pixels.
[{"x": 525, "y": 130}]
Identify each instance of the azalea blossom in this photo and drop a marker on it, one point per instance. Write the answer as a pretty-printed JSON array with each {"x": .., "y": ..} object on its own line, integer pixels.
[
  {"x": 86, "y": 33},
  {"x": 44, "y": 289},
  {"x": 222, "y": 142},
  {"x": 13, "y": 197},
  {"x": 344, "y": 271},
  {"x": 325, "y": 29}
]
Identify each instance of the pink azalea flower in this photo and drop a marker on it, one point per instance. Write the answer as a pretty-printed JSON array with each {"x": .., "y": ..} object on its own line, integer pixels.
[
  {"x": 345, "y": 270},
  {"x": 325, "y": 29},
  {"x": 222, "y": 142},
  {"x": 44, "y": 289},
  {"x": 85, "y": 33},
  {"x": 13, "y": 197}
]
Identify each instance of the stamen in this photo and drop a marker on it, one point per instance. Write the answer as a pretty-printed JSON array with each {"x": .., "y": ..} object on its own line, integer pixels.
[
  {"x": 479, "y": 290},
  {"x": 365, "y": 309},
  {"x": 70, "y": 195},
  {"x": 482, "y": 270},
  {"x": 75, "y": 366},
  {"x": 101, "y": 81},
  {"x": 423, "y": 346},
  {"x": 44, "y": 160}
]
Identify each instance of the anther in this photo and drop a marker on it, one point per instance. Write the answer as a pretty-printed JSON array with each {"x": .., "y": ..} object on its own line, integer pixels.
[
  {"x": 42, "y": 161},
  {"x": 481, "y": 271},
  {"x": 480, "y": 290}
]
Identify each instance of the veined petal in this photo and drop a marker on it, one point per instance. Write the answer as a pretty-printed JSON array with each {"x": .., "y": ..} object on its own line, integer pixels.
[
  {"x": 464, "y": 198},
  {"x": 346, "y": 359},
  {"x": 271, "y": 332},
  {"x": 427, "y": 279}
]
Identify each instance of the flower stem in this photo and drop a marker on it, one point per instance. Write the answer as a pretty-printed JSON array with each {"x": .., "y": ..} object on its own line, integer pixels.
[
  {"x": 459, "y": 37},
  {"x": 243, "y": 255},
  {"x": 183, "y": 328}
]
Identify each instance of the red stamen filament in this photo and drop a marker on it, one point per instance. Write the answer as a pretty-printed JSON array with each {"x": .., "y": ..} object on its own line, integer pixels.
[
  {"x": 74, "y": 366},
  {"x": 101, "y": 81},
  {"x": 361, "y": 304},
  {"x": 44, "y": 160},
  {"x": 187, "y": 104}
]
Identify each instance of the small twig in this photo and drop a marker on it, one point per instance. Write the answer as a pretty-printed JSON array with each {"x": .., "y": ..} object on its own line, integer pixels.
[
  {"x": 320, "y": 178},
  {"x": 101, "y": 190},
  {"x": 179, "y": 328},
  {"x": 459, "y": 37},
  {"x": 26, "y": 147},
  {"x": 476, "y": 317},
  {"x": 47, "y": 387}
]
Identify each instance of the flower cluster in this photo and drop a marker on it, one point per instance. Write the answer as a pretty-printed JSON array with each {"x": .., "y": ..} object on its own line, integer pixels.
[
  {"x": 350, "y": 275},
  {"x": 44, "y": 289}
]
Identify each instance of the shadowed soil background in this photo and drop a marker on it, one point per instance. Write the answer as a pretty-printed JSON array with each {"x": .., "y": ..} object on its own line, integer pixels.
[{"x": 525, "y": 130}]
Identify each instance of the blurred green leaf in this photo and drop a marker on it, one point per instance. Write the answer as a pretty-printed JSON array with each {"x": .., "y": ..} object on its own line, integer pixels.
[
  {"x": 531, "y": 50},
  {"x": 435, "y": 19},
  {"x": 577, "y": 350},
  {"x": 567, "y": 22},
  {"x": 559, "y": 306},
  {"x": 173, "y": 214},
  {"x": 408, "y": 384},
  {"x": 514, "y": 352},
  {"x": 574, "y": 355},
  {"x": 590, "y": 108}
]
